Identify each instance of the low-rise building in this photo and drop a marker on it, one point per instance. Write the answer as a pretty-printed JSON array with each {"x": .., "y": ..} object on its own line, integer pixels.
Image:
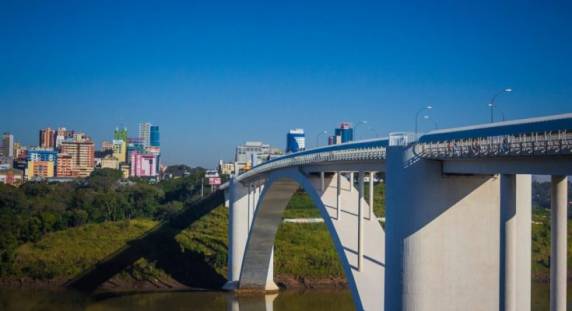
[
  {"x": 125, "y": 169},
  {"x": 12, "y": 177},
  {"x": 228, "y": 168},
  {"x": 110, "y": 162},
  {"x": 40, "y": 169}
]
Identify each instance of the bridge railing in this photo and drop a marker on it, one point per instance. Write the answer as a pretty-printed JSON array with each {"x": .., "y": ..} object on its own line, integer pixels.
[
  {"x": 350, "y": 154},
  {"x": 531, "y": 144}
]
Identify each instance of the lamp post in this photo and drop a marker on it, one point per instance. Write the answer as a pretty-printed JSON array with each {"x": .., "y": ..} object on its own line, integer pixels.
[
  {"x": 318, "y": 137},
  {"x": 417, "y": 118},
  {"x": 357, "y": 126},
  {"x": 492, "y": 103}
]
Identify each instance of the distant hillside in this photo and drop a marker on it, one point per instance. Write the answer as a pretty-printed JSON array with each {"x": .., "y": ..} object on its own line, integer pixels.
[{"x": 541, "y": 194}]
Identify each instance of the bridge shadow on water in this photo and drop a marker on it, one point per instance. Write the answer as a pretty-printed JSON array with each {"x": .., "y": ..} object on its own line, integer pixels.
[{"x": 159, "y": 246}]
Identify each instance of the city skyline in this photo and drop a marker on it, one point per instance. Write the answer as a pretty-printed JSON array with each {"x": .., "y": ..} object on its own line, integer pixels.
[{"x": 216, "y": 75}]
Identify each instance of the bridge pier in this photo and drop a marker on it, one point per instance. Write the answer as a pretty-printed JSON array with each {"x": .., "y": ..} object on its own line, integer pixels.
[
  {"x": 558, "y": 252},
  {"x": 360, "y": 221},
  {"x": 239, "y": 206},
  {"x": 338, "y": 195},
  {"x": 441, "y": 253},
  {"x": 515, "y": 241},
  {"x": 370, "y": 214},
  {"x": 351, "y": 181}
]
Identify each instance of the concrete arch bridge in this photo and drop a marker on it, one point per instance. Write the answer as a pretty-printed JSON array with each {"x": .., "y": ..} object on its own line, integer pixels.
[{"x": 458, "y": 215}]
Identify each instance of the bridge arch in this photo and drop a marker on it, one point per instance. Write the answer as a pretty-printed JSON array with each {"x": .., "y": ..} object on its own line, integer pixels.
[{"x": 280, "y": 186}]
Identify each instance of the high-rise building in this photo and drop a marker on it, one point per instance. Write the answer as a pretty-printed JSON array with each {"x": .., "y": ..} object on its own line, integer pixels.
[
  {"x": 143, "y": 165},
  {"x": 345, "y": 132},
  {"x": 47, "y": 138},
  {"x": 154, "y": 139},
  {"x": 156, "y": 151},
  {"x": 120, "y": 150},
  {"x": 80, "y": 137},
  {"x": 64, "y": 165},
  {"x": 7, "y": 145},
  {"x": 253, "y": 152},
  {"x": 82, "y": 154},
  {"x": 295, "y": 140},
  {"x": 145, "y": 133},
  {"x": 20, "y": 152},
  {"x": 61, "y": 135},
  {"x": 120, "y": 134}
]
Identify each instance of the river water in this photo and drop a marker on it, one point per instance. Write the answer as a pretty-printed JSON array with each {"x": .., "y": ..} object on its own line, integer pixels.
[{"x": 315, "y": 300}]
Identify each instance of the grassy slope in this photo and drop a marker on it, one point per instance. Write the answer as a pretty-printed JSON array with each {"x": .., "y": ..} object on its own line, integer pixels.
[
  {"x": 69, "y": 252},
  {"x": 301, "y": 206},
  {"x": 301, "y": 249}
]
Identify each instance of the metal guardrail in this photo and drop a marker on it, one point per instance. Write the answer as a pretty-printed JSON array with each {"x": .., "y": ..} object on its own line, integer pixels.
[
  {"x": 524, "y": 145},
  {"x": 353, "y": 154},
  {"x": 543, "y": 136}
]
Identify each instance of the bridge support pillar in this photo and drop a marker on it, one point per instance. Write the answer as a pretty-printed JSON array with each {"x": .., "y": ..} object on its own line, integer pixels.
[
  {"x": 558, "y": 273},
  {"x": 351, "y": 181},
  {"x": 238, "y": 231},
  {"x": 360, "y": 221},
  {"x": 338, "y": 195},
  {"x": 370, "y": 214},
  {"x": 322, "y": 181},
  {"x": 441, "y": 253},
  {"x": 515, "y": 241}
]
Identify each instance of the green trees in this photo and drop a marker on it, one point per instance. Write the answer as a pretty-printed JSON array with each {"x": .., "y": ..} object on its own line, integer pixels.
[{"x": 29, "y": 212}]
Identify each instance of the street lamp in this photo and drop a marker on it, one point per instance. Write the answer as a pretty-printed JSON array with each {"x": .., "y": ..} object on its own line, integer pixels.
[
  {"x": 318, "y": 137},
  {"x": 492, "y": 103},
  {"x": 357, "y": 126},
  {"x": 417, "y": 117}
]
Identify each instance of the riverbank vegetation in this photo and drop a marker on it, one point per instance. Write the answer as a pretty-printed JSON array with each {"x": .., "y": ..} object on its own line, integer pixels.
[
  {"x": 58, "y": 231},
  {"x": 30, "y": 212}
]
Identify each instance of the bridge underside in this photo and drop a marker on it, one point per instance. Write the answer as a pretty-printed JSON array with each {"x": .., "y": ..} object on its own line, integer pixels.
[{"x": 366, "y": 282}]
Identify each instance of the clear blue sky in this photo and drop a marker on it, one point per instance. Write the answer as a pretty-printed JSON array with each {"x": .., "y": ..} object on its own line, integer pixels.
[{"x": 214, "y": 74}]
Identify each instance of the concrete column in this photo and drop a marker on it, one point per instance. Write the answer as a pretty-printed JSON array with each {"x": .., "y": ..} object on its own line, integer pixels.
[
  {"x": 238, "y": 231},
  {"x": 249, "y": 195},
  {"x": 371, "y": 174},
  {"x": 255, "y": 202},
  {"x": 441, "y": 253},
  {"x": 558, "y": 255},
  {"x": 338, "y": 195},
  {"x": 322, "y": 181},
  {"x": 524, "y": 242},
  {"x": 508, "y": 236},
  {"x": 351, "y": 181},
  {"x": 360, "y": 221}
]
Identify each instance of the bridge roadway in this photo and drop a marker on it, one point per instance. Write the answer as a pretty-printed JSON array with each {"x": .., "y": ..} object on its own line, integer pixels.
[{"x": 458, "y": 214}]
